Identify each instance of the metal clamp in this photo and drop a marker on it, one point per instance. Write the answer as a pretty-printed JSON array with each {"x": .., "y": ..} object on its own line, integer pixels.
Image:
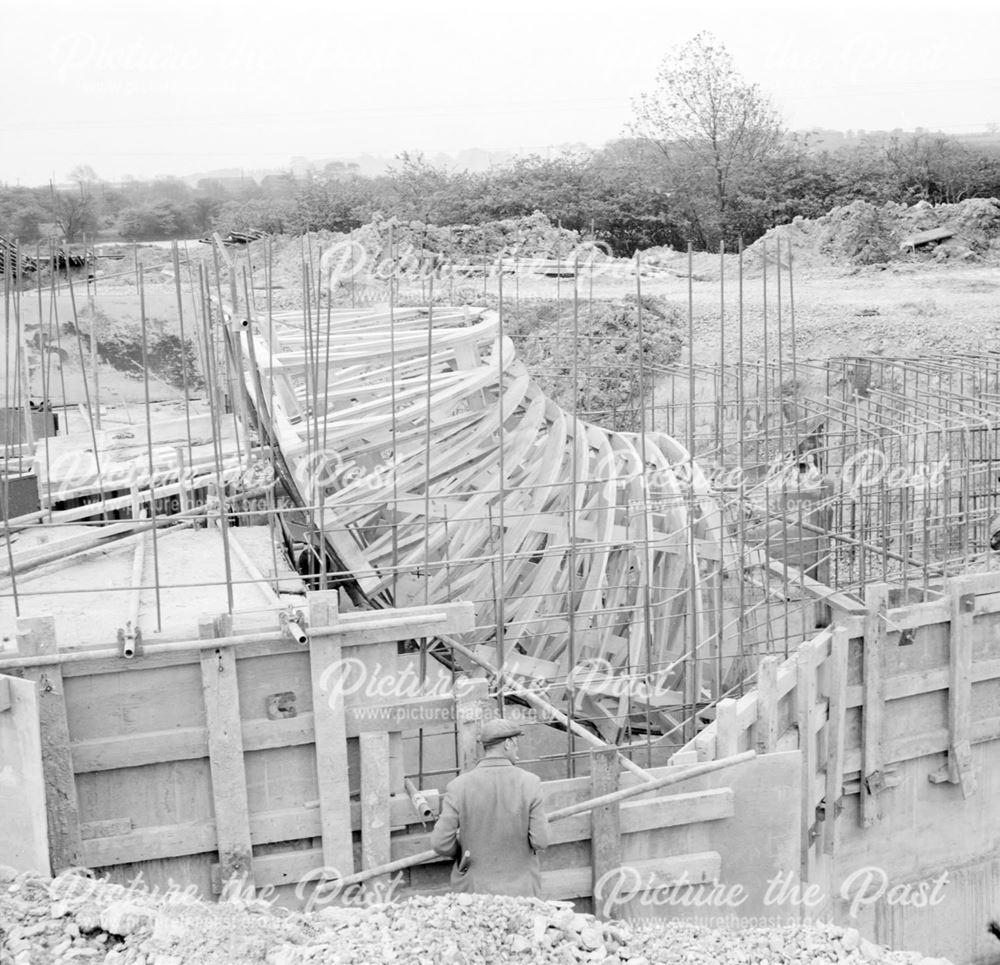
[
  {"x": 292, "y": 622},
  {"x": 129, "y": 640}
]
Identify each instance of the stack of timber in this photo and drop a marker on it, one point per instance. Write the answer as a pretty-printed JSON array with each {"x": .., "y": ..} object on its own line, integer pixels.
[{"x": 430, "y": 467}]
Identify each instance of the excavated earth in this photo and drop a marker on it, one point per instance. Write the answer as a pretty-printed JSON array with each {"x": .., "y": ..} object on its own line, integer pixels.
[{"x": 73, "y": 918}]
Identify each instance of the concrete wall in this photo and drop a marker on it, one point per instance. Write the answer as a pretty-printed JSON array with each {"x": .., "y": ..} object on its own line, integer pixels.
[
  {"x": 927, "y": 875},
  {"x": 24, "y": 840}
]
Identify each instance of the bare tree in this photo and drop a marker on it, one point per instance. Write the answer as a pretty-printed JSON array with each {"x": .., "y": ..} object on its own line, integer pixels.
[
  {"x": 714, "y": 129},
  {"x": 73, "y": 215}
]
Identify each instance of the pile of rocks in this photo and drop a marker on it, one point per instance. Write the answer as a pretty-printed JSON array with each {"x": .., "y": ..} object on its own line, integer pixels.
[
  {"x": 76, "y": 919},
  {"x": 676, "y": 942}
]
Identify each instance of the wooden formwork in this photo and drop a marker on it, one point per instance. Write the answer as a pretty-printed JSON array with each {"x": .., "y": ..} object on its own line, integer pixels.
[
  {"x": 245, "y": 753},
  {"x": 237, "y": 758},
  {"x": 895, "y": 712},
  {"x": 197, "y": 759}
]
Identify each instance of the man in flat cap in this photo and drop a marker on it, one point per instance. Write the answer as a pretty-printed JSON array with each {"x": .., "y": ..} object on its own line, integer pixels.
[{"x": 492, "y": 822}]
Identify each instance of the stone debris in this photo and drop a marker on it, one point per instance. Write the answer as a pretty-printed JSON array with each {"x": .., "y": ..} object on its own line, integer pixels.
[{"x": 77, "y": 919}]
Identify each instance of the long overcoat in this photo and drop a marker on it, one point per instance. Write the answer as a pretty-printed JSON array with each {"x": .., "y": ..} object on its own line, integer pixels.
[{"x": 495, "y": 812}]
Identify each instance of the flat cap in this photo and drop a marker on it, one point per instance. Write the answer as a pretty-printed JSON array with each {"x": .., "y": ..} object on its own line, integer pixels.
[{"x": 497, "y": 730}]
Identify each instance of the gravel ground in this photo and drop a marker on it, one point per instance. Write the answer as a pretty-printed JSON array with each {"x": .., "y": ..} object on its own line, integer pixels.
[{"x": 76, "y": 919}]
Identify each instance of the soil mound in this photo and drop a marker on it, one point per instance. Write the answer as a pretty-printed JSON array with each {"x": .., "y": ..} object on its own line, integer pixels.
[{"x": 861, "y": 233}]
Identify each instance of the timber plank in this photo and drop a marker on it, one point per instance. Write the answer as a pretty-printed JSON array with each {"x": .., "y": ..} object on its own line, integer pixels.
[
  {"x": 105, "y": 845},
  {"x": 137, "y": 750},
  {"x": 805, "y": 710},
  {"x": 651, "y": 815},
  {"x": 767, "y": 705},
  {"x": 960, "y": 689},
  {"x": 876, "y": 598},
  {"x": 726, "y": 728},
  {"x": 927, "y": 744},
  {"x": 106, "y": 829},
  {"x": 835, "y": 738},
  {"x": 375, "y": 816},
  {"x": 407, "y": 623},
  {"x": 605, "y": 823},
  {"x": 925, "y": 682},
  {"x": 691, "y": 869},
  {"x": 189, "y": 743},
  {"x": 151, "y": 844},
  {"x": 225, "y": 756},
  {"x": 471, "y": 703},
  {"x": 655, "y": 873},
  {"x": 36, "y": 636},
  {"x": 331, "y": 737}
]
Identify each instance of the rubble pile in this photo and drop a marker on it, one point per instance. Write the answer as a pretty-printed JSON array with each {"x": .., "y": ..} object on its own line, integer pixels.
[
  {"x": 861, "y": 233},
  {"x": 532, "y": 236},
  {"x": 357, "y": 265},
  {"x": 77, "y": 919}
]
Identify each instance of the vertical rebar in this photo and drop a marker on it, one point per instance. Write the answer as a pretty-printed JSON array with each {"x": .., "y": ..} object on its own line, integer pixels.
[{"x": 149, "y": 442}]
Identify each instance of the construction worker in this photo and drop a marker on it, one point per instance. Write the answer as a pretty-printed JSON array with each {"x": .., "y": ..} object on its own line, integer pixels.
[{"x": 492, "y": 822}]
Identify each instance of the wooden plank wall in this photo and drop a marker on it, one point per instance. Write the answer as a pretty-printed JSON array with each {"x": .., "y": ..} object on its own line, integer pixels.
[
  {"x": 889, "y": 718},
  {"x": 896, "y": 713},
  {"x": 205, "y": 764},
  {"x": 269, "y": 764}
]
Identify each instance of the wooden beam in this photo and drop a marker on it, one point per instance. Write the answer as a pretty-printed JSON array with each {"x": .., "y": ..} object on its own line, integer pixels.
[
  {"x": 960, "y": 690},
  {"x": 654, "y": 873},
  {"x": 873, "y": 660},
  {"x": 191, "y": 743},
  {"x": 767, "y": 705},
  {"x": 835, "y": 737},
  {"x": 605, "y": 827},
  {"x": 931, "y": 742},
  {"x": 727, "y": 738},
  {"x": 375, "y": 816},
  {"x": 369, "y": 628},
  {"x": 669, "y": 811},
  {"x": 805, "y": 712},
  {"x": 108, "y": 843},
  {"x": 330, "y": 736},
  {"x": 958, "y": 769},
  {"x": 471, "y": 701},
  {"x": 36, "y": 636},
  {"x": 693, "y": 869},
  {"x": 225, "y": 756},
  {"x": 113, "y": 827},
  {"x": 151, "y": 844}
]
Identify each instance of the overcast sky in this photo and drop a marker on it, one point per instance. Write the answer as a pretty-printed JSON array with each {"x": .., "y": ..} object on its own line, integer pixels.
[{"x": 133, "y": 88}]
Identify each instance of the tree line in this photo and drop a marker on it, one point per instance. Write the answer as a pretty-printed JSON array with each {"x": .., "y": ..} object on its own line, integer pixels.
[{"x": 706, "y": 161}]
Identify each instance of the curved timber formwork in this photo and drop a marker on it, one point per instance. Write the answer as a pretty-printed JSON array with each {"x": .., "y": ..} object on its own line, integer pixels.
[{"x": 436, "y": 469}]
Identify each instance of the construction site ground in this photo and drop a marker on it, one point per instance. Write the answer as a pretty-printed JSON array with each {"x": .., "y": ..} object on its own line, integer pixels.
[
  {"x": 906, "y": 309},
  {"x": 76, "y": 919}
]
